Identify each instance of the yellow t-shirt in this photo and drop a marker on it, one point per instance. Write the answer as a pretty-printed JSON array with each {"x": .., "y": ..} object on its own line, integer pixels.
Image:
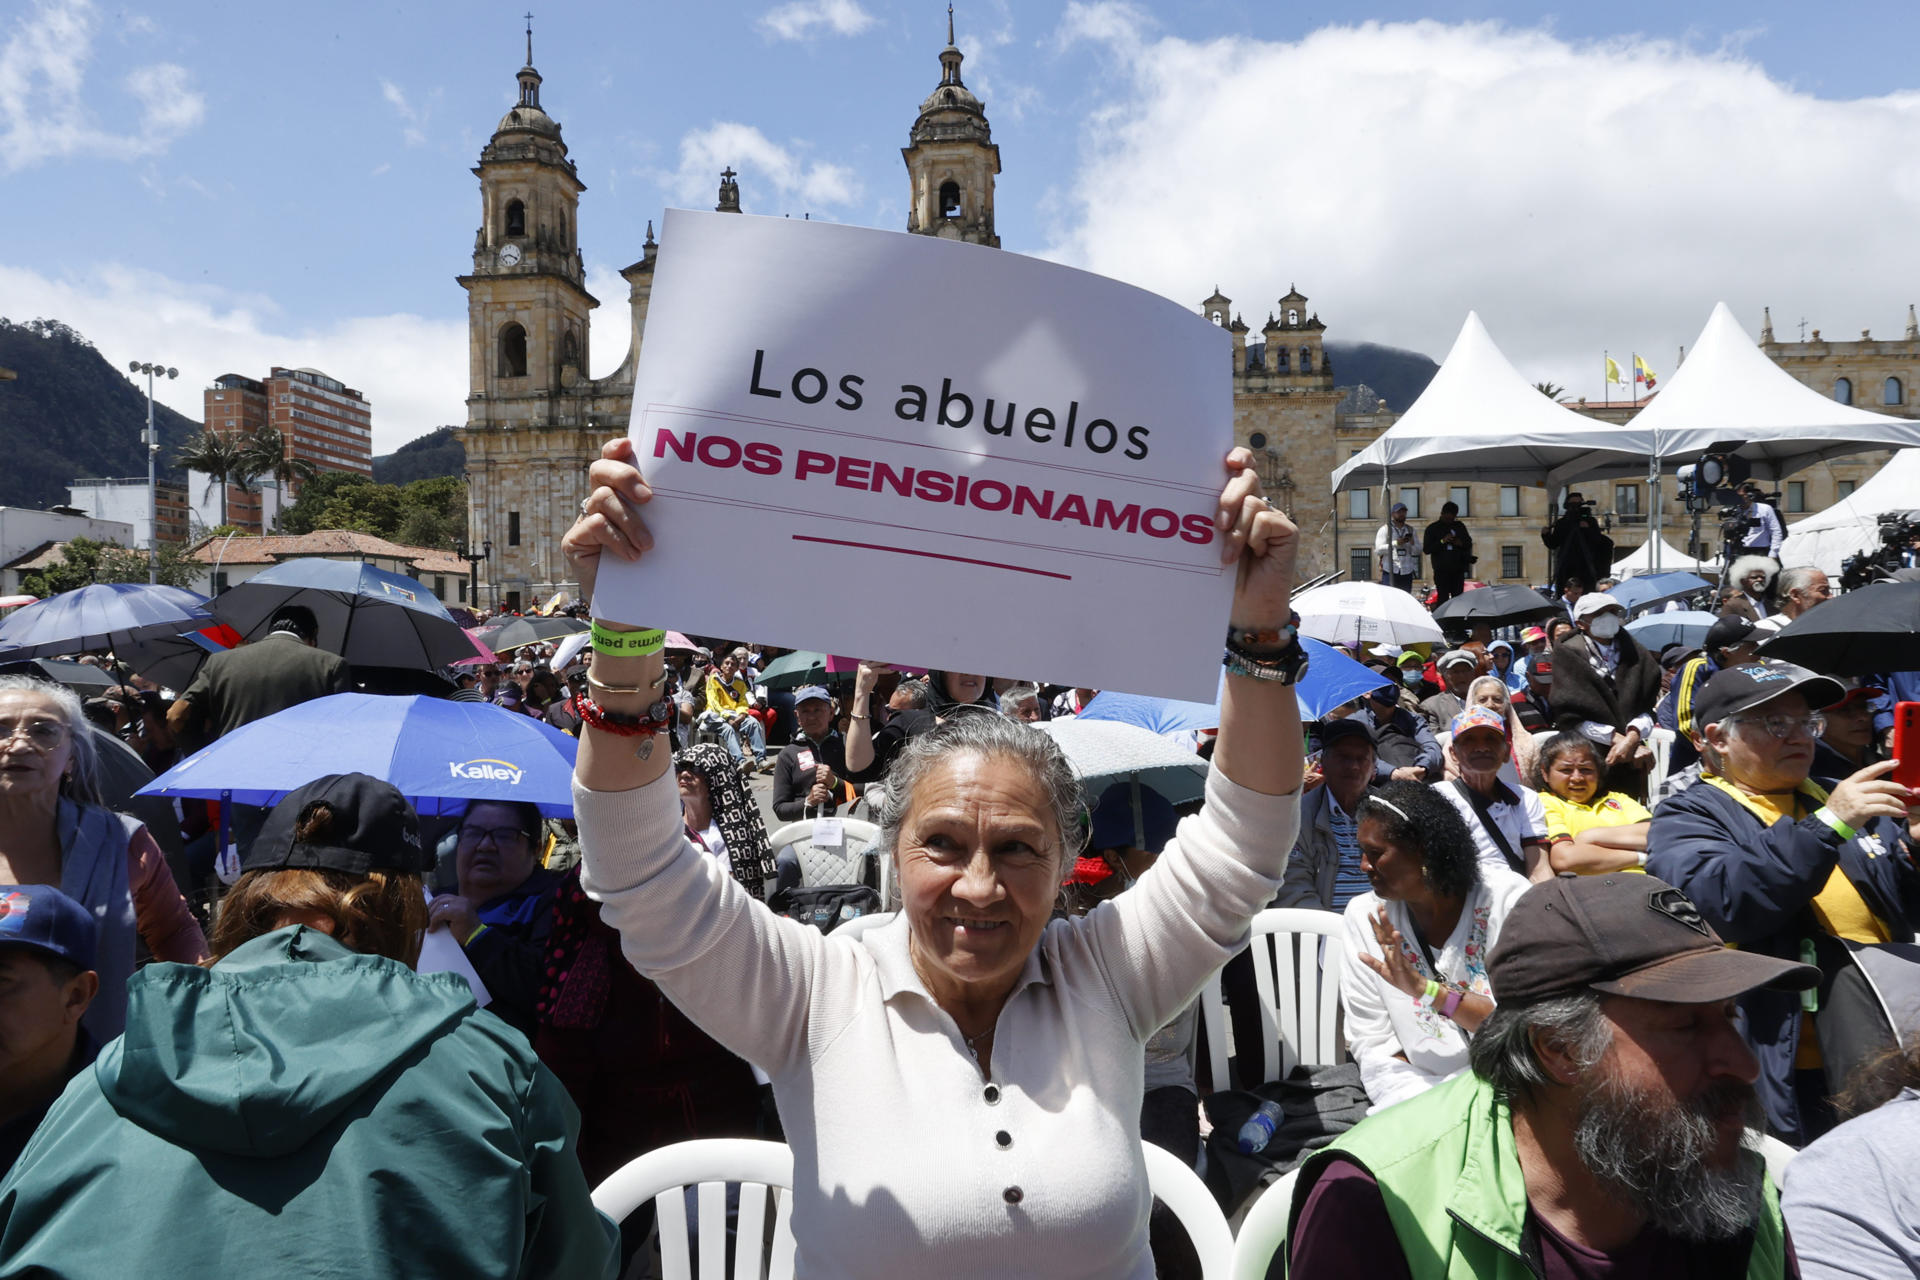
[{"x": 1565, "y": 818}]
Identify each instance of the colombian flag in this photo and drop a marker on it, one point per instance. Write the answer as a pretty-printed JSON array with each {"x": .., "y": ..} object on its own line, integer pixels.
[{"x": 1641, "y": 373}]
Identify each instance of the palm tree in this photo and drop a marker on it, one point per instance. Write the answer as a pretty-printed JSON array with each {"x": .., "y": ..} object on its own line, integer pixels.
[
  {"x": 223, "y": 460},
  {"x": 1551, "y": 390},
  {"x": 266, "y": 456}
]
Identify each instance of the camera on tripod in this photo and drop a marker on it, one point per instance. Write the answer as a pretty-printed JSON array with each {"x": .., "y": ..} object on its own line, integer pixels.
[{"x": 1899, "y": 531}]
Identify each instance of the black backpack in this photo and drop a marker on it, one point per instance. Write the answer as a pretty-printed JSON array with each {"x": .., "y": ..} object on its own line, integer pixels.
[{"x": 826, "y": 907}]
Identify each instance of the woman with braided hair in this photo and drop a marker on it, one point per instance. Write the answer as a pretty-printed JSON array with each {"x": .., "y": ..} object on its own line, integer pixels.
[{"x": 721, "y": 817}]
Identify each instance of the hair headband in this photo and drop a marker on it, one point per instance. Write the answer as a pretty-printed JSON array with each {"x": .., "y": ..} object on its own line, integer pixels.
[{"x": 1388, "y": 804}]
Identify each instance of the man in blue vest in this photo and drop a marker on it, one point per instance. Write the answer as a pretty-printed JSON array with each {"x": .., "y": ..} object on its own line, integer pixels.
[{"x": 1602, "y": 1129}]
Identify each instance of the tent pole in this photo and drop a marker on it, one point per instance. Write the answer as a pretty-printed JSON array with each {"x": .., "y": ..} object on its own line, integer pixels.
[{"x": 1653, "y": 483}]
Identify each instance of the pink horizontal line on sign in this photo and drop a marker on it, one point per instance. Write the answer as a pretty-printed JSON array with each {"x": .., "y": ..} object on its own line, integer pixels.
[{"x": 933, "y": 555}]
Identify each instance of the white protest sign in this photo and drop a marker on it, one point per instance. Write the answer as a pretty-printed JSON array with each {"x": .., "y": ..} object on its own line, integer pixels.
[{"x": 928, "y": 452}]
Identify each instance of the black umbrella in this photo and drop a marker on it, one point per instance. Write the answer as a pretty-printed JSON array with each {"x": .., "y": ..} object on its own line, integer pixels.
[
  {"x": 366, "y": 615},
  {"x": 1863, "y": 632},
  {"x": 1496, "y": 606},
  {"x": 522, "y": 631},
  {"x": 78, "y": 676}
]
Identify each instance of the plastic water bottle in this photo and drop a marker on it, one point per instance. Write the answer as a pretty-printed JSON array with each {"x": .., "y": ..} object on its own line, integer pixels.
[{"x": 1259, "y": 1129}]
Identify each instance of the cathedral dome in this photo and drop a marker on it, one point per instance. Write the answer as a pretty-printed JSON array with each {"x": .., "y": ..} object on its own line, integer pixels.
[{"x": 529, "y": 120}]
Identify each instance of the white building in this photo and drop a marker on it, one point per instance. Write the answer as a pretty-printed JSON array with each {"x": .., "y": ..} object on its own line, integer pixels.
[{"x": 23, "y": 529}]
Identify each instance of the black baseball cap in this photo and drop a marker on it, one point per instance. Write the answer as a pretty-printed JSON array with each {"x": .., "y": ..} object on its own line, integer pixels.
[
  {"x": 1624, "y": 934},
  {"x": 373, "y": 829},
  {"x": 1738, "y": 689},
  {"x": 1674, "y": 655},
  {"x": 1332, "y": 731},
  {"x": 38, "y": 917},
  {"x": 1728, "y": 629}
]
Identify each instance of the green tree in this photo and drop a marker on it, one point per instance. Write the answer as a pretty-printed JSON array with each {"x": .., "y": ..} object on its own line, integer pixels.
[
  {"x": 425, "y": 513},
  {"x": 266, "y": 457},
  {"x": 1551, "y": 390},
  {"x": 222, "y": 460},
  {"x": 85, "y": 561}
]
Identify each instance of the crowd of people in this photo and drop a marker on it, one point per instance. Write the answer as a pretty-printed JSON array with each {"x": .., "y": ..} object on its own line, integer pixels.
[{"x": 1613, "y": 926}]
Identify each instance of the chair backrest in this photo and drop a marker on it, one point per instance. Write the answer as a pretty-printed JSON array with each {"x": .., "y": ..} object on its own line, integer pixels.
[
  {"x": 854, "y": 862},
  {"x": 1297, "y": 954},
  {"x": 761, "y": 1169},
  {"x": 1662, "y": 759},
  {"x": 1181, "y": 1190},
  {"x": 1263, "y": 1231}
]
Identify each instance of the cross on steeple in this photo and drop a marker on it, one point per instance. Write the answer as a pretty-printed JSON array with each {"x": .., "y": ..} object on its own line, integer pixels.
[
  {"x": 727, "y": 174},
  {"x": 529, "y": 37},
  {"x": 1803, "y": 328}
]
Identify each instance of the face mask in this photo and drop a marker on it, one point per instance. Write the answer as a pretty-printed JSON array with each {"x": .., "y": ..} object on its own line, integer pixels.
[
  {"x": 1412, "y": 679},
  {"x": 1604, "y": 628}
]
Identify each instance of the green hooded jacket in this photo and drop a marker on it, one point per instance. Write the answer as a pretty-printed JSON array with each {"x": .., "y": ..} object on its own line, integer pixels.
[
  {"x": 303, "y": 1110},
  {"x": 1449, "y": 1175}
]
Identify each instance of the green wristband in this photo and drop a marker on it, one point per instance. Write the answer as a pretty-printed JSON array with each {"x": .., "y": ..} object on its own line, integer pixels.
[
  {"x": 627, "y": 644},
  {"x": 1832, "y": 819}
]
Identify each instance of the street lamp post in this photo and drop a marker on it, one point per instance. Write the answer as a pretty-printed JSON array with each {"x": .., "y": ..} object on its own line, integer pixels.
[
  {"x": 474, "y": 559},
  {"x": 152, "y": 442}
]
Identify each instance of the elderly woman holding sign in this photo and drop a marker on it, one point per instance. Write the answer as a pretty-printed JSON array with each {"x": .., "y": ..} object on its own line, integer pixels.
[{"x": 961, "y": 1087}]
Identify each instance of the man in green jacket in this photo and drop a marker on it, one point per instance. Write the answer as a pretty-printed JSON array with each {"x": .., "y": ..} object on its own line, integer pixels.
[
  {"x": 1601, "y": 1130},
  {"x": 310, "y": 1105}
]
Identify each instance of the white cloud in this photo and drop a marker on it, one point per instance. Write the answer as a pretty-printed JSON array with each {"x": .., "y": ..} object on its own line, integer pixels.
[
  {"x": 44, "y": 111},
  {"x": 762, "y": 163},
  {"x": 412, "y": 368},
  {"x": 1578, "y": 195},
  {"x": 413, "y": 119},
  {"x": 799, "y": 19}
]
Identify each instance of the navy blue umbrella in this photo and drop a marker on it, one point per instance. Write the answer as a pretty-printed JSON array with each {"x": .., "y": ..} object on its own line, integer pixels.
[
  {"x": 106, "y": 615},
  {"x": 368, "y": 616},
  {"x": 440, "y": 755},
  {"x": 1332, "y": 679}
]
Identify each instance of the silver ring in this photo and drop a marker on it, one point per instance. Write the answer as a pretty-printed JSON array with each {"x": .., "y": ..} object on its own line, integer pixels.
[{"x": 585, "y": 503}]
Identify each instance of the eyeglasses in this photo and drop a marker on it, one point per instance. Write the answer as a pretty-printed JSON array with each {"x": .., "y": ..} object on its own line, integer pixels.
[
  {"x": 42, "y": 735},
  {"x": 502, "y": 837},
  {"x": 1785, "y": 726}
]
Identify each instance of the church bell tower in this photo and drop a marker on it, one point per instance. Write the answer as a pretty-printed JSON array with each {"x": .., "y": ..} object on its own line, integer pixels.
[{"x": 951, "y": 159}]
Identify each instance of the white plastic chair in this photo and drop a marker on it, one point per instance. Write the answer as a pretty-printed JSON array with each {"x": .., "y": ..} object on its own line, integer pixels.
[
  {"x": 662, "y": 1176},
  {"x": 1181, "y": 1190},
  {"x": 845, "y": 865},
  {"x": 1297, "y": 954},
  {"x": 1263, "y": 1231},
  {"x": 1775, "y": 1152},
  {"x": 1662, "y": 745}
]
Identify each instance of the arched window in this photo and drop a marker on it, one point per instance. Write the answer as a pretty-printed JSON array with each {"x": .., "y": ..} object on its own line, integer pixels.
[
  {"x": 1280, "y": 360},
  {"x": 949, "y": 199},
  {"x": 513, "y": 352},
  {"x": 1306, "y": 359},
  {"x": 1293, "y": 317},
  {"x": 570, "y": 349},
  {"x": 1843, "y": 390},
  {"x": 563, "y": 229},
  {"x": 516, "y": 218},
  {"x": 1892, "y": 392}
]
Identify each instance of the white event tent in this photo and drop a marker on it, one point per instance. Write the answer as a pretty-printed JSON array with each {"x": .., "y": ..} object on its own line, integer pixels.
[
  {"x": 1641, "y": 560},
  {"x": 1480, "y": 420},
  {"x": 1730, "y": 391},
  {"x": 1828, "y": 537}
]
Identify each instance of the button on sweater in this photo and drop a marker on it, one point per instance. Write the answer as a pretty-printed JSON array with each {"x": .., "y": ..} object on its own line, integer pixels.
[{"x": 898, "y": 1166}]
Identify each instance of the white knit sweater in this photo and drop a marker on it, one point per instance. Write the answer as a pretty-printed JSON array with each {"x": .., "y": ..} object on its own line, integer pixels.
[{"x": 907, "y": 1162}]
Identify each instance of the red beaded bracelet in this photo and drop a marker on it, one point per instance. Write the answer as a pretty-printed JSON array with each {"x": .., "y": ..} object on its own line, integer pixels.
[{"x": 594, "y": 716}]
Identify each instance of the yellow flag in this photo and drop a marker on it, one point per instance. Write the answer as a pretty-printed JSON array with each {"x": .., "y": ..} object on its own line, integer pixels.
[
  {"x": 1613, "y": 371},
  {"x": 1642, "y": 374}
]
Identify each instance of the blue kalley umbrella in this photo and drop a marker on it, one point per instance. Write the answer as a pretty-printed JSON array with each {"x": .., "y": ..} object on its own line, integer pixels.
[
  {"x": 1332, "y": 680},
  {"x": 441, "y": 755},
  {"x": 1646, "y": 590},
  {"x": 367, "y": 615},
  {"x": 106, "y": 615},
  {"x": 1658, "y": 630}
]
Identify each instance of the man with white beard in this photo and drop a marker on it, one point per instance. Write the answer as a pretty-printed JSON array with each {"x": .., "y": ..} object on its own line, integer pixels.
[{"x": 1602, "y": 1131}]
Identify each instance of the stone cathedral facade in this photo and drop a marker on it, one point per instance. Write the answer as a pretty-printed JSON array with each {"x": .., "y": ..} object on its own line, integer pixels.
[{"x": 535, "y": 419}]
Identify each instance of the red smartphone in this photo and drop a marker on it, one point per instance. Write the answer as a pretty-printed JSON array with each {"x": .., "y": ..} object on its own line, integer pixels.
[{"x": 1906, "y": 745}]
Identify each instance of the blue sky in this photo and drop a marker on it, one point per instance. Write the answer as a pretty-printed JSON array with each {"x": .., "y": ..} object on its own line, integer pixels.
[{"x": 226, "y": 186}]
